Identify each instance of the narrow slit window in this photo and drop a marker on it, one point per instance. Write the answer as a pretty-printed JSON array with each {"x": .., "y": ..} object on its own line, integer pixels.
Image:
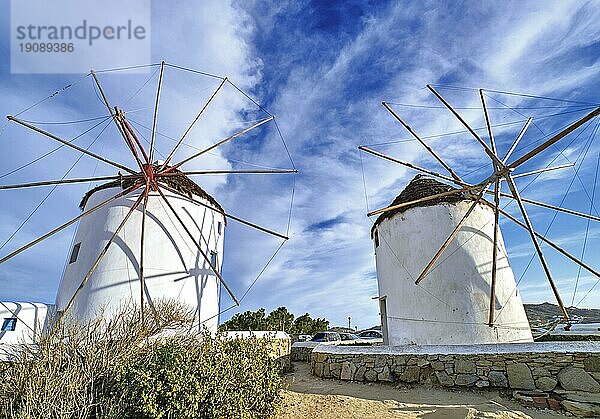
[
  {"x": 9, "y": 324},
  {"x": 219, "y": 227},
  {"x": 376, "y": 238},
  {"x": 75, "y": 253},
  {"x": 213, "y": 259}
]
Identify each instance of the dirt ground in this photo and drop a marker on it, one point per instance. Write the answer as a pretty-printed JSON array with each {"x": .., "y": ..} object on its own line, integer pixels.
[{"x": 311, "y": 397}]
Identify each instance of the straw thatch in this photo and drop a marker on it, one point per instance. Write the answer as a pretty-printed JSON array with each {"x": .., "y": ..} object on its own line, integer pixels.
[
  {"x": 420, "y": 187},
  {"x": 180, "y": 183}
]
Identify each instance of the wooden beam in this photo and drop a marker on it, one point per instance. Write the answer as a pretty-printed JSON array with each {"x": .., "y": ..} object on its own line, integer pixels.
[
  {"x": 67, "y": 181},
  {"x": 154, "y": 119},
  {"x": 488, "y": 151},
  {"x": 450, "y": 237},
  {"x": 68, "y": 223},
  {"x": 538, "y": 249},
  {"x": 546, "y": 169},
  {"x": 191, "y": 236},
  {"x": 189, "y": 128},
  {"x": 517, "y": 140},
  {"x": 412, "y": 166},
  {"x": 227, "y": 172},
  {"x": 554, "y": 139},
  {"x": 424, "y": 199},
  {"x": 68, "y": 144},
  {"x": 233, "y": 217},
  {"x": 206, "y": 150},
  {"x": 423, "y": 143}
]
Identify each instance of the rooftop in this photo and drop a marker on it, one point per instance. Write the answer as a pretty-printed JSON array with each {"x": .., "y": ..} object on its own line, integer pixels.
[
  {"x": 181, "y": 183},
  {"x": 420, "y": 187}
]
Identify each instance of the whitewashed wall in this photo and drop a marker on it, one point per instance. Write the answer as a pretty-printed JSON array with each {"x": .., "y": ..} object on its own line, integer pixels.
[
  {"x": 173, "y": 266},
  {"x": 451, "y": 304},
  {"x": 32, "y": 320}
]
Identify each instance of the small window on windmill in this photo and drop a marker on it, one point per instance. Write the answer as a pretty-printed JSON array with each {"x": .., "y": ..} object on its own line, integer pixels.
[
  {"x": 219, "y": 227},
  {"x": 75, "y": 253},
  {"x": 213, "y": 259},
  {"x": 376, "y": 238},
  {"x": 9, "y": 324}
]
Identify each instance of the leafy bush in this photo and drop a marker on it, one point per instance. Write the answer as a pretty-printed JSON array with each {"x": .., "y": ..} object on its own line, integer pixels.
[{"x": 129, "y": 368}]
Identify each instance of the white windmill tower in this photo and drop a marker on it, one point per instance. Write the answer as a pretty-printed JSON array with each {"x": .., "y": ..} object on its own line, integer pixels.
[
  {"x": 469, "y": 296},
  {"x": 151, "y": 233}
]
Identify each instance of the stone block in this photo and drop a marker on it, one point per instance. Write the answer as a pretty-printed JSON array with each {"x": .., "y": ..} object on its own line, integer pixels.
[
  {"x": 584, "y": 410},
  {"x": 465, "y": 379},
  {"x": 545, "y": 383},
  {"x": 360, "y": 373},
  {"x": 519, "y": 376},
  {"x": 592, "y": 364},
  {"x": 410, "y": 374},
  {"x": 370, "y": 375},
  {"x": 422, "y": 363},
  {"x": 465, "y": 366},
  {"x": 581, "y": 396},
  {"x": 385, "y": 375},
  {"x": 444, "y": 379},
  {"x": 482, "y": 383},
  {"x": 348, "y": 370},
  {"x": 572, "y": 378},
  {"x": 437, "y": 365}
]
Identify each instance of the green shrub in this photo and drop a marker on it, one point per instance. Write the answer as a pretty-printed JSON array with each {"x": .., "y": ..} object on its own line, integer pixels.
[{"x": 126, "y": 368}]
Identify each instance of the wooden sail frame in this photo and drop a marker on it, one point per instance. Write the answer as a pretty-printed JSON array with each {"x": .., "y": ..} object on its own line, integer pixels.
[
  {"x": 502, "y": 173},
  {"x": 148, "y": 176}
]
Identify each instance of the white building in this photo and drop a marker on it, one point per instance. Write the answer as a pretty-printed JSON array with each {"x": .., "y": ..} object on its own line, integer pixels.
[
  {"x": 451, "y": 304},
  {"x": 173, "y": 266},
  {"x": 23, "y": 322}
]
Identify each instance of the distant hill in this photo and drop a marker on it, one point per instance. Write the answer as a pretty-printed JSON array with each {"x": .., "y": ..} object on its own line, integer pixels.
[{"x": 539, "y": 314}]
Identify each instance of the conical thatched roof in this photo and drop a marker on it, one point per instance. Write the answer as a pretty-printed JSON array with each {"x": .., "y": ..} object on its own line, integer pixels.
[
  {"x": 420, "y": 187},
  {"x": 181, "y": 183}
]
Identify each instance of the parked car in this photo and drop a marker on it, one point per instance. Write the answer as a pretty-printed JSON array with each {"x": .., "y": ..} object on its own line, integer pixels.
[
  {"x": 348, "y": 336},
  {"x": 304, "y": 338},
  {"x": 370, "y": 334},
  {"x": 326, "y": 337}
]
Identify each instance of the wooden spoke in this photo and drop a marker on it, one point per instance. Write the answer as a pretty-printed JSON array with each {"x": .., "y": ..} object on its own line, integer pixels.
[
  {"x": 494, "y": 252},
  {"x": 424, "y": 199},
  {"x": 538, "y": 249},
  {"x": 450, "y": 237},
  {"x": 110, "y": 109},
  {"x": 233, "y": 217},
  {"x": 189, "y": 128},
  {"x": 554, "y": 139},
  {"x": 423, "y": 143},
  {"x": 547, "y": 169},
  {"x": 68, "y": 144},
  {"x": 412, "y": 166},
  {"x": 516, "y": 142},
  {"x": 67, "y": 181},
  {"x": 68, "y": 223},
  {"x": 142, "y": 236},
  {"x": 206, "y": 150},
  {"x": 488, "y": 151},
  {"x": 154, "y": 119},
  {"x": 206, "y": 259},
  {"x": 552, "y": 244},
  {"x": 129, "y": 140},
  {"x": 229, "y": 172},
  {"x": 101, "y": 256},
  {"x": 554, "y": 207},
  {"x": 496, "y": 213}
]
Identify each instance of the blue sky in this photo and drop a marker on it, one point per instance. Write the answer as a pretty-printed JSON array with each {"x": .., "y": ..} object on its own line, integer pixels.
[{"x": 323, "y": 68}]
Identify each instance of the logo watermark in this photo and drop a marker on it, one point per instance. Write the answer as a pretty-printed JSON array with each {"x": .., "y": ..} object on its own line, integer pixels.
[{"x": 67, "y": 36}]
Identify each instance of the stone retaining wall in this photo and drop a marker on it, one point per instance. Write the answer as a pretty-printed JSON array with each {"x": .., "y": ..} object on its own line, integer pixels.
[
  {"x": 301, "y": 351},
  {"x": 559, "y": 367}
]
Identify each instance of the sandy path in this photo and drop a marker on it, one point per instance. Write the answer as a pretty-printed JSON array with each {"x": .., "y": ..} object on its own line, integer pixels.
[{"x": 310, "y": 397}]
